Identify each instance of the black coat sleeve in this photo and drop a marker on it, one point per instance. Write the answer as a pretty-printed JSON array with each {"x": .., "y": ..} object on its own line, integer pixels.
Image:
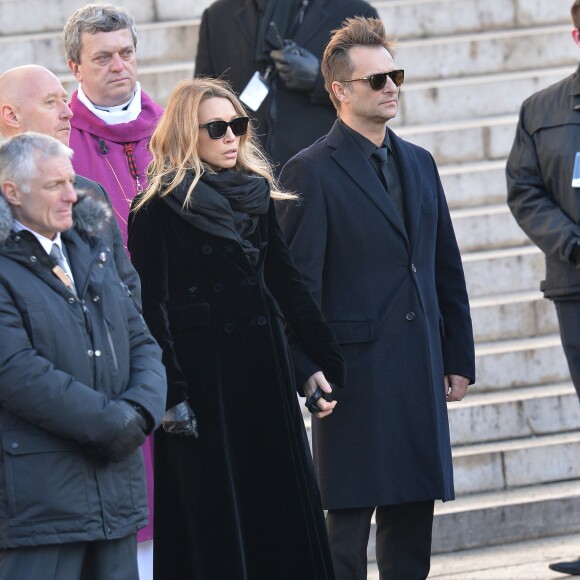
[
  {"x": 149, "y": 256},
  {"x": 313, "y": 345}
]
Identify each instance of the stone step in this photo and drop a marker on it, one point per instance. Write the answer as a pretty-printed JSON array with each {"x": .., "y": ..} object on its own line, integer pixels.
[
  {"x": 487, "y": 227},
  {"x": 474, "y": 184},
  {"x": 413, "y": 18},
  {"x": 510, "y": 464},
  {"x": 503, "y": 270},
  {"x": 522, "y": 362},
  {"x": 159, "y": 43},
  {"x": 43, "y": 16},
  {"x": 502, "y": 517},
  {"x": 511, "y": 316},
  {"x": 424, "y": 18},
  {"x": 473, "y": 97},
  {"x": 514, "y": 413},
  {"x": 490, "y": 52},
  {"x": 464, "y": 141},
  {"x": 496, "y": 518},
  {"x": 526, "y": 560}
]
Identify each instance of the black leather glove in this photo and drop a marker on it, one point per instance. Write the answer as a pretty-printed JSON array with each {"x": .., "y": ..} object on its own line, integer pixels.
[
  {"x": 127, "y": 440},
  {"x": 312, "y": 402},
  {"x": 297, "y": 67},
  {"x": 180, "y": 420}
]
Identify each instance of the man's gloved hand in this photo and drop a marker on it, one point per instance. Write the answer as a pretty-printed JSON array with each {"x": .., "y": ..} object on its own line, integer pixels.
[
  {"x": 297, "y": 67},
  {"x": 127, "y": 440}
]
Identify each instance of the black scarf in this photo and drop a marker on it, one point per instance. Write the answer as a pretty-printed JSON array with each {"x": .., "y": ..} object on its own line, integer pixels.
[
  {"x": 226, "y": 204},
  {"x": 283, "y": 14}
]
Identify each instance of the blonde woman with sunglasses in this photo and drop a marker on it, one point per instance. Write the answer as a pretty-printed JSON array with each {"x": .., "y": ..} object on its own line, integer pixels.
[{"x": 236, "y": 499}]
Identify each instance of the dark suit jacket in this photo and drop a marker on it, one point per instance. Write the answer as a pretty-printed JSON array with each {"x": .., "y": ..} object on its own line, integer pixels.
[
  {"x": 395, "y": 297},
  {"x": 287, "y": 121},
  {"x": 112, "y": 236}
]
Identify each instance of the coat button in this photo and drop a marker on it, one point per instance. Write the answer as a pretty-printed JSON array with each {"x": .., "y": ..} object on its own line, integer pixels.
[
  {"x": 33, "y": 259},
  {"x": 206, "y": 250},
  {"x": 191, "y": 291},
  {"x": 98, "y": 353},
  {"x": 410, "y": 316},
  {"x": 252, "y": 281},
  {"x": 90, "y": 352},
  {"x": 96, "y": 298},
  {"x": 14, "y": 445},
  {"x": 228, "y": 327},
  {"x": 414, "y": 268},
  {"x": 261, "y": 320},
  {"x": 218, "y": 287},
  {"x": 71, "y": 300}
]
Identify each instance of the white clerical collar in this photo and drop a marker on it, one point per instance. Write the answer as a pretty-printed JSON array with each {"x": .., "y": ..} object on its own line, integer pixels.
[
  {"x": 114, "y": 115},
  {"x": 45, "y": 242}
]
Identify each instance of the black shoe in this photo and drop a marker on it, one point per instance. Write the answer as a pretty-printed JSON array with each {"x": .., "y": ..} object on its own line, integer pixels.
[{"x": 572, "y": 568}]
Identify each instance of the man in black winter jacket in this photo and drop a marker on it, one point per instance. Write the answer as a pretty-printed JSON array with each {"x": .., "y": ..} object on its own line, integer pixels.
[
  {"x": 543, "y": 177},
  {"x": 81, "y": 379}
]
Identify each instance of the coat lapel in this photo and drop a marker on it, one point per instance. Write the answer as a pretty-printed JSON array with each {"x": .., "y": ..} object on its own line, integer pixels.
[
  {"x": 317, "y": 15},
  {"x": 410, "y": 175},
  {"x": 352, "y": 161},
  {"x": 241, "y": 16}
]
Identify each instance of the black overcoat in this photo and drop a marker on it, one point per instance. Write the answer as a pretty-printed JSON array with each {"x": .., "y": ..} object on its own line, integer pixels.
[
  {"x": 240, "y": 502},
  {"x": 396, "y": 300},
  {"x": 287, "y": 121}
]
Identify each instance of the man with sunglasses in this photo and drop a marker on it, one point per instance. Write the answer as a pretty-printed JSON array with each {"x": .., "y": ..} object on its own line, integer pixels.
[
  {"x": 373, "y": 238},
  {"x": 543, "y": 179},
  {"x": 275, "y": 46}
]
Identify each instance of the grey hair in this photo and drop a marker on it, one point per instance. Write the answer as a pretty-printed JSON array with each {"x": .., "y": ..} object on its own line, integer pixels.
[
  {"x": 91, "y": 19},
  {"x": 20, "y": 156}
]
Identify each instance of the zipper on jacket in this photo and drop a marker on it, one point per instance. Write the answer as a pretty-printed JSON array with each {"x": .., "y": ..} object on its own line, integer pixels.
[
  {"x": 112, "y": 346},
  {"x": 87, "y": 316}
]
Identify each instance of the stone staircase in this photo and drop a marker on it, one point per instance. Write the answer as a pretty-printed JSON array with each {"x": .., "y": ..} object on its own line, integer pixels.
[{"x": 469, "y": 65}]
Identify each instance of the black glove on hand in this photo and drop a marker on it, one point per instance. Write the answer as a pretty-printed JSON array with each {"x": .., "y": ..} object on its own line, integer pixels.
[
  {"x": 297, "y": 67},
  {"x": 180, "y": 420},
  {"x": 127, "y": 440}
]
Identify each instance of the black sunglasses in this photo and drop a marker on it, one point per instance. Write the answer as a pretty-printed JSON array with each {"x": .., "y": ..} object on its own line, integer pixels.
[
  {"x": 218, "y": 129},
  {"x": 379, "y": 80}
]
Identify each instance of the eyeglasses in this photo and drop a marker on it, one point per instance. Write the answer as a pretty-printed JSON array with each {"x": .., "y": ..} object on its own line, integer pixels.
[
  {"x": 379, "y": 80},
  {"x": 218, "y": 129}
]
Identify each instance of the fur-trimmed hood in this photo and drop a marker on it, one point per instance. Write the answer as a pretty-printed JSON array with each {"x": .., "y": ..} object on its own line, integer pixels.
[{"x": 90, "y": 215}]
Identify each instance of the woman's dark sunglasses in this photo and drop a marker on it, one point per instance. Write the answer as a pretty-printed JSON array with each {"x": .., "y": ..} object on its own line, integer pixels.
[
  {"x": 379, "y": 80},
  {"x": 218, "y": 129}
]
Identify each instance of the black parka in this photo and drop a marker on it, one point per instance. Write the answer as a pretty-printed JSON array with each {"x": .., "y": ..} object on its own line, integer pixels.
[{"x": 64, "y": 362}]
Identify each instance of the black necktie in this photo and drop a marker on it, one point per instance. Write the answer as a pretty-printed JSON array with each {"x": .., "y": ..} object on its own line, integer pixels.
[{"x": 389, "y": 180}]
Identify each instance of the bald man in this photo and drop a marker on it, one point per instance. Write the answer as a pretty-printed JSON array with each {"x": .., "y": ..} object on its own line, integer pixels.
[{"x": 33, "y": 99}]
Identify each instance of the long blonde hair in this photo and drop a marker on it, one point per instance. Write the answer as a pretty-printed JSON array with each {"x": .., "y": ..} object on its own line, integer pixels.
[{"x": 174, "y": 142}]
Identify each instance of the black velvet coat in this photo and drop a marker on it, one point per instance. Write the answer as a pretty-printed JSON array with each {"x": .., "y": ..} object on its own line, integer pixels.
[{"x": 240, "y": 502}]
